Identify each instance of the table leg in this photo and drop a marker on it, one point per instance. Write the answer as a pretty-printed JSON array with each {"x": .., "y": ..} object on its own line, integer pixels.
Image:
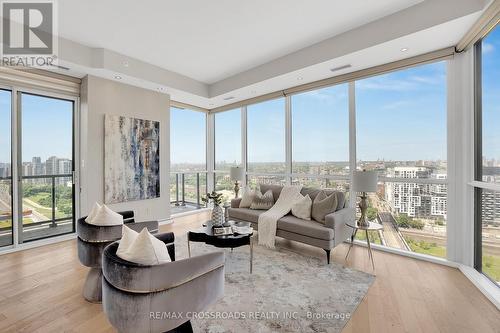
[
  {"x": 370, "y": 254},
  {"x": 251, "y": 255},
  {"x": 189, "y": 249},
  {"x": 352, "y": 242}
]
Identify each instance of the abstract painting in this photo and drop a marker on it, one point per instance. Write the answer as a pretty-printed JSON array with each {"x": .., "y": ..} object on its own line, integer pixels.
[{"x": 131, "y": 159}]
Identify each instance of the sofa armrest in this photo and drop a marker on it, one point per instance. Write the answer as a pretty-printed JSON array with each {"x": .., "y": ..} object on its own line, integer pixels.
[
  {"x": 235, "y": 203},
  {"x": 337, "y": 221}
]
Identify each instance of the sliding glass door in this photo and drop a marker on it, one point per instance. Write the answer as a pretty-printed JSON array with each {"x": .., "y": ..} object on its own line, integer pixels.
[
  {"x": 5, "y": 168},
  {"x": 37, "y": 191},
  {"x": 46, "y": 148}
]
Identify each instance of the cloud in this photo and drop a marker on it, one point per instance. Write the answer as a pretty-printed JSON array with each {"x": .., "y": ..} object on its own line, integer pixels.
[{"x": 487, "y": 48}]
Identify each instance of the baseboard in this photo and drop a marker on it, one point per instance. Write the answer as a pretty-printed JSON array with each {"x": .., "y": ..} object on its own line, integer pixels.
[
  {"x": 485, "y": 285},
  {"x": 191, "y": 212},
  {"x": 35, "y": 244}
]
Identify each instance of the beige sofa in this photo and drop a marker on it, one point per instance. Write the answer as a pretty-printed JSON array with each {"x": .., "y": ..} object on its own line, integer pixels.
[{"x": 325, "y": 236}]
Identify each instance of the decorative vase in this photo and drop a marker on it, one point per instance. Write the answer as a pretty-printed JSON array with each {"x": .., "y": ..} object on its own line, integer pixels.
[{"x": 217, "y": 216}]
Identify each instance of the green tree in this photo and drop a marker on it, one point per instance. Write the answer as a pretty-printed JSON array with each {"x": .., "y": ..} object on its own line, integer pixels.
[{"x": 371, "y": 213}]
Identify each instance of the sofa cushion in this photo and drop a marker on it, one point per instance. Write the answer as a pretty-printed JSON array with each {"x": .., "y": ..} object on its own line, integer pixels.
[
  {"x": 302, "y": 208},
  {"x": 313, "y": 192},
  {"x": 247, "y": 198},
  {"x": 276, "y": 189},
  {"x": 323, "y": 205},
  {"x": 262, "y": 201},
  {"x": 312, "y": 229},
  {"x": 245, "y": 214}
]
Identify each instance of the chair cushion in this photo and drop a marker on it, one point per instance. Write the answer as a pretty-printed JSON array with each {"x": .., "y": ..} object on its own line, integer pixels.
[
  {"x": 128, "y": 238},
  {"x": 106, "y": 217},
  {"x": 146, "y": 249},
  {"x": 245, "y": 214},
  {"x": 93, "y": 212},
  {"x": 312, "y": 229}
]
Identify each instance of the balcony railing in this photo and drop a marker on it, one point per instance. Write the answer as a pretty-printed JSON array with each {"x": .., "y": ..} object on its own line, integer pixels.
[{"x": 187, "y": 188}]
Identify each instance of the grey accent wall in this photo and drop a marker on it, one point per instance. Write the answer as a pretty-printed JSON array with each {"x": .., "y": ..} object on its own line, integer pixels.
[{"x": 99, "y": 97}]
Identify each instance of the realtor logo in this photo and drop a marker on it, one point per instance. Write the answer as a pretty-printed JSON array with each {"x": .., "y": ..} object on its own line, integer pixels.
[{"x": 28, "y": 33}]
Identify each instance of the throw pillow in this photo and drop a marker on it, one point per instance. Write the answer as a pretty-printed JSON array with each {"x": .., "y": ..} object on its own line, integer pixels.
[
  {"x": 128, "y": 237},
  {"x": 261, "y": 201},
  {"x": 323, "y": 205},
  {"x": 247, "y": 198},
  {"x": 106, "y": 217},
  {"x": 146, "y": 249},
  {"x": 302, "y": 208},
  {"x": 93, "y": 212}
]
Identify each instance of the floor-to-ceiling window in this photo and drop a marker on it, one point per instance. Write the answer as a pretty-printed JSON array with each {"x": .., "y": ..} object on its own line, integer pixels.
[
  {"x": 44, "y": 162},
  {"x": 188, "y": 166},
  {"x": 6, "y": 212},
  {"x": 320, "y": 138},
  {"x": 487, "y": 171},
  {"x": 401, "y": 126},
  {"x": 46, "y": 147},
  {"x": 266, "y": 156},
  {"x": 227, "y": 128}
]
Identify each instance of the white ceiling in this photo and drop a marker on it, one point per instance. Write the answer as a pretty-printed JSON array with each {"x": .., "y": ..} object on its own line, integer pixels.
[
  {"x": 211, "y": 40},
  {"x": 202, "y": 52}
]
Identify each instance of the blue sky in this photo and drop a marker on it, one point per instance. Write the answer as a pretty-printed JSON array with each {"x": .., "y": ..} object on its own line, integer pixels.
[
  {"x": 46, "y": 127},
  {"x": 491, "y": 95}
]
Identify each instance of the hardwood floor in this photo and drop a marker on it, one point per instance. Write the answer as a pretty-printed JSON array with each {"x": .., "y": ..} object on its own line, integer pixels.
[{"x": 40, "y": 291}]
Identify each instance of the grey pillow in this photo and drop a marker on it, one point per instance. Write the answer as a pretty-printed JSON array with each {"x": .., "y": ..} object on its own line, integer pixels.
[
  {"x": 260, "y": 201},
  {"x": 323, "y": 205}
]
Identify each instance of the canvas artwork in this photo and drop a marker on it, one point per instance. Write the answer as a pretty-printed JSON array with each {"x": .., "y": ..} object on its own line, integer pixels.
[{"x": 131, "y": 159}]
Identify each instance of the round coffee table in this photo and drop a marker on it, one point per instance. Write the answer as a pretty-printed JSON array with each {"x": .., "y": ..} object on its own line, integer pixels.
[
  {"x": 206, "y": 235},
  {"x": 371, "y": 227}
]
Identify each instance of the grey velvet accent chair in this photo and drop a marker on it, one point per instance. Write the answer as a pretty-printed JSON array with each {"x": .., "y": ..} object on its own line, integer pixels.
[
  {"x": 92, "y": 240},
  {"x": 139, "y": 298}
]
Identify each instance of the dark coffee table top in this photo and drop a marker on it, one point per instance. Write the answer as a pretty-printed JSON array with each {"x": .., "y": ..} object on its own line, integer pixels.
[{"x": 205, "y": 234}]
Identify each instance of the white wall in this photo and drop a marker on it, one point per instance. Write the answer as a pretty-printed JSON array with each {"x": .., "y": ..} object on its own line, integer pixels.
[{"x": 99, "y": 97}]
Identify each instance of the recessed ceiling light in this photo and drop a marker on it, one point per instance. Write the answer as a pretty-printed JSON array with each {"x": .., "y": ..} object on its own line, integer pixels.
[
  {"x": 300, "y": 78},
  {"x": 404, "y": 49},
  {"x": 118, "y": 77},
  {"x": 125, "y": 64},
  {"x": 228, "y": 98},
  {"x": 338, "y": 68}
]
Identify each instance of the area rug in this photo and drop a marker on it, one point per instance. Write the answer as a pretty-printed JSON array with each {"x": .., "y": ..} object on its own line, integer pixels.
[{"x": 287, "y": 292}]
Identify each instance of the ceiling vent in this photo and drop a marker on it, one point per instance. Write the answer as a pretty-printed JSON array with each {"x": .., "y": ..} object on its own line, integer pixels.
[{"x": 339, "y": 68}]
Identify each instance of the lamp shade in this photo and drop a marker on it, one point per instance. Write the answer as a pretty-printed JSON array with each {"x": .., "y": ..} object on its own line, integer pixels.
[
  {"x": 236, "y": 173},
  {"x": 365, "y": 181}
]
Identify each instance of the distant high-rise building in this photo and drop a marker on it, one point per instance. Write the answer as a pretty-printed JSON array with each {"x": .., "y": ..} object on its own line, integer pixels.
[
  {"x": 37, "y": 166},
  {"x": 52, "y": 166},
  {"x": 414, "y": 199}
]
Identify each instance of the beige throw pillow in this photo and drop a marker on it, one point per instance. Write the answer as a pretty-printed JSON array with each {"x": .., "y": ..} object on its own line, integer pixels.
[
  {"x": 260, "y": 201},
  {"x": 302, "y": 208},
  {"x": 323, "y": 205},
  {"x": 247, "y": 198},
  {"x": 93, "y": 212},
  {"x": 128, "y": 237},
  {"x": 106, "y": 217},
  {"x": 146, "y": 249}
]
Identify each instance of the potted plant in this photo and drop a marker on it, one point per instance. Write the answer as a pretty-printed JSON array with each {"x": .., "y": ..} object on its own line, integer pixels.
[{"x": 217, "y": 211}]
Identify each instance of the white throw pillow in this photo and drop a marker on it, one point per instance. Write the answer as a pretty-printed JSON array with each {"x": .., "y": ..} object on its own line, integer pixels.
[
  {"x": 247, "y": 198},
  {"x": 105, "y": 216},
  {"x": 146, "y": 249},
  {"x": 128, "y": 237},
  {"x": 302, "y": 208},
  {"x": 93, "y": 212}
]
